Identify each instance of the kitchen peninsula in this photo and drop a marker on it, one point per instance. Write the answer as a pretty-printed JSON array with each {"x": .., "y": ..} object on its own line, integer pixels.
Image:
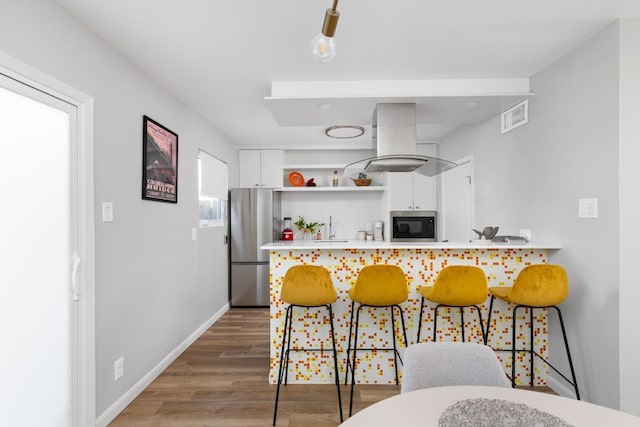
[{"x": 420, "y": 262}]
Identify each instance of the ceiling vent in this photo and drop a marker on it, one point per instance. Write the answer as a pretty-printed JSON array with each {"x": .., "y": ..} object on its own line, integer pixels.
[{"x": 515, "y": 116}]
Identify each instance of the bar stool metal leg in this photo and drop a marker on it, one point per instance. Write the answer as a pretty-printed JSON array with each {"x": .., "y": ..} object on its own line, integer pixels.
[
  {"x": 404, "y": 330},
  {"x": 566, "y": 345},
  {"x": 531, "y": 377},
  {"x": 435, "y": 321},
  {"x": 335, "y": 361},
  {"x": 513, "y": 347},
  {"x": 420, "y": 319},
  {"x": 353, "y": 366},
  {"x": 486, "y": 337},
  {"x": 285, "y": 339},
  {"x": 346, "y": 374},
  {"x": 395, "y": 347}
]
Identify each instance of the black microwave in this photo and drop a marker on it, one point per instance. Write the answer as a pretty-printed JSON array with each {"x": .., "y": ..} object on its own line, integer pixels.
[{"x": 413, "y": 226}]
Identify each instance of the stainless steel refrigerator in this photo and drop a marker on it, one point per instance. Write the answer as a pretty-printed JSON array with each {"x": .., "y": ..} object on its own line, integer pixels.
[{"x": 254, "y": 221}]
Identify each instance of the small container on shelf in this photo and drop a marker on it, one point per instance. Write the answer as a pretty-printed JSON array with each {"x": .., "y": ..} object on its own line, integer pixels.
[
  {"x": 361, "y": 182},
  {"x": 335, "y": 182}
]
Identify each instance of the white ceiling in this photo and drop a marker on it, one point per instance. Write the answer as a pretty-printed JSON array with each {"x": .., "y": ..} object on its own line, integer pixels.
[{"x": 221, "y": 57}]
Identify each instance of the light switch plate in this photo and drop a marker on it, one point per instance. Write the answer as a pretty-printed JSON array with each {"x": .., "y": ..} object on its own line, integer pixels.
[
  {"x": 118, "y": 368},
  {"x": 588, "y": 208},
  {"x": 107, "y": 212},
  {"x": 194, "y": 234}
]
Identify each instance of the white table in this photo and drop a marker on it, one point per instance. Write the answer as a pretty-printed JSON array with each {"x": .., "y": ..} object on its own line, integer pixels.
[{"x": 424, "y": 407}]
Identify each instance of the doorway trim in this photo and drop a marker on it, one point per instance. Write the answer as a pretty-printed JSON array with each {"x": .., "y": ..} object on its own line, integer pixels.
[{"x": 28, "y": 75}]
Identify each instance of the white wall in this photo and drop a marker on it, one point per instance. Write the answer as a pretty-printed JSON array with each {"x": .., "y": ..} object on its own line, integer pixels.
[
  {"x": 154, "y": 286},
  {"x": 533, "y": 177},
  {"x": 629, "y": 214},
  {"x": 351, "y": 211}
]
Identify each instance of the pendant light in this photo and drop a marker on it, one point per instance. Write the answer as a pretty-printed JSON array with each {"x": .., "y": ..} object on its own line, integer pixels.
[{"x": 323, "y": 45}]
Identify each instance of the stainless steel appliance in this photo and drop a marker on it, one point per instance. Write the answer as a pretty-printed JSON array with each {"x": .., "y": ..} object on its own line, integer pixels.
[
  {"x": 413, "y": 226},
  {"x": 394, "y": 141},
  {"x": 254, "y": 221}
]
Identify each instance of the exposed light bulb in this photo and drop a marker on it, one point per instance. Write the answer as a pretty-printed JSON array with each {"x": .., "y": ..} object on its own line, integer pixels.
[
  {"x": 323, "y": 48},
  {"x": 323, "y": 45}
]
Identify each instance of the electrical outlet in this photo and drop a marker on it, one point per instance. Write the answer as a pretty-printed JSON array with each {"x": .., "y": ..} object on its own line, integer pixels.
[
  {"x": 526, "y": 234},
  {"x": 118, "y": 368}
]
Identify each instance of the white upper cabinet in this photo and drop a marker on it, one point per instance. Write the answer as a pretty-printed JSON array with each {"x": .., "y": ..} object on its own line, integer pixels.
[
  {"x": 260, "y": 168},
  {"x": 410, "y": 191},
  {"x": 425, "y": 192}
]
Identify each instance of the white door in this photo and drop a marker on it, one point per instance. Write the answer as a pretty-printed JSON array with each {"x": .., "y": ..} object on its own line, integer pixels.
[
  {"x": 38, "y": 225},
  {"x": 457, "y": 203},
  {"x": 214, "y": 193}
]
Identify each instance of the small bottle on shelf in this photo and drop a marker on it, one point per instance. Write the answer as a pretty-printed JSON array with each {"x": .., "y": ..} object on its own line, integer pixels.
[{"x": 336, "y": 180}]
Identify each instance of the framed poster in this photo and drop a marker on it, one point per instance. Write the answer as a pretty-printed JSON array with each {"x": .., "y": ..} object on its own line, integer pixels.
[{"x": 159, "y": 162}]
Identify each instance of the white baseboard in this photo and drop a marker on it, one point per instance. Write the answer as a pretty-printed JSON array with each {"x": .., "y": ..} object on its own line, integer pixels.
[{"x": 112, "y": 412}]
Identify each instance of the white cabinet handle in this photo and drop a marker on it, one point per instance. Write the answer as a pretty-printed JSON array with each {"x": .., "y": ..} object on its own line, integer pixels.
[{"x": 75, "y": 293}]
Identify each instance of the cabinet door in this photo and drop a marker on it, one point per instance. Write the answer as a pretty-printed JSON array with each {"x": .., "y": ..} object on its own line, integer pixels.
[
  {"x": 425, "y": 192},
  {"x": 271, "y": 168},
  {"x": 248, "y": 168},
  {"x": 401, "y": 191}
]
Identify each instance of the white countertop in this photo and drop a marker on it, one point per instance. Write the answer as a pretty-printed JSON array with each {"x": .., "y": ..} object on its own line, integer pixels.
[{"x": 361, "y": 244}]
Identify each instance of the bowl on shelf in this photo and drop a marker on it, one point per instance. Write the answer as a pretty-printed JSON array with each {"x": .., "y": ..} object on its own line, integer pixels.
[
  {"x": 296, "y": 179},
  {"x": 361, "y": 182}
]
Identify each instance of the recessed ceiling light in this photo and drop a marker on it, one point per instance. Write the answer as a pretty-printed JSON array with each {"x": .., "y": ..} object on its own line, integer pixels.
[
  {"x": 471, "y": 104},
  {"x": 344, "y": 131},
  {"x": 324, "y": 106}
]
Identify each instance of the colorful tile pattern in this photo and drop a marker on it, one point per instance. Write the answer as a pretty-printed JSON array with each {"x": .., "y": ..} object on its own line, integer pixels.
[{"x": 311, "y": 327}]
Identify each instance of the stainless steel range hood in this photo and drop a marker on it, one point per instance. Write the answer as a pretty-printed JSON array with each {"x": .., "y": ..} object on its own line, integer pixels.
[{"x": 394, "y": 140}]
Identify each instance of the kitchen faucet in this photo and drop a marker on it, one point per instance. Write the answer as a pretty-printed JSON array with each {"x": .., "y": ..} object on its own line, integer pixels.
[{"x": 332, "y": 233}]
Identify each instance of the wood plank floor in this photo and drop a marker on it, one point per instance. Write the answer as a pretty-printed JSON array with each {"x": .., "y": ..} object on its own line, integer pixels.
[{"x": 221, "y": 380}]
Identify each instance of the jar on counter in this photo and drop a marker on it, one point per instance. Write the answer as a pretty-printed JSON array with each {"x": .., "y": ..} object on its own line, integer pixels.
[{"x": 287, "y": 232}]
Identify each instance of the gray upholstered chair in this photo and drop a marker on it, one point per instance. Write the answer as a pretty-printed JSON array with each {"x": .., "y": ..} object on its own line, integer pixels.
[{"x": 436, "y": 364}]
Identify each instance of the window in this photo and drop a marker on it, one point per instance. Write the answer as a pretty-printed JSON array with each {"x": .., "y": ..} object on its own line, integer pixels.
[{"x": 213, "y": 188}]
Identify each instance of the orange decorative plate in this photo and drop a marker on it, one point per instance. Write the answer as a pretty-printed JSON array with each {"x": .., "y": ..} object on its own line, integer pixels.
[{"x": 296, "y": 179}]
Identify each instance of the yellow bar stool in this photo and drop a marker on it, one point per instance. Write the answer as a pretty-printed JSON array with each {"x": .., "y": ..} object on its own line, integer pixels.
[
  {"x": 306, "y": 286},
  {"x": 539, "y": 286},
  {"x": 458, "y": 286},
  {"x": 377, "y": 286}
]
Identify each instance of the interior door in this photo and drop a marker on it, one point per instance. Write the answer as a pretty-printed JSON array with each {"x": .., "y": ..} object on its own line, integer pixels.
[
  {"x": 213, "y": 233},
  {"x": 457, "y": 203},
  {"x": 38, "y": 307}
]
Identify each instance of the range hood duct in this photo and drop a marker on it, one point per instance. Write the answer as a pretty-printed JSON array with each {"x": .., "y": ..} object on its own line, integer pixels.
[{"x": 394, "y": 143}]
